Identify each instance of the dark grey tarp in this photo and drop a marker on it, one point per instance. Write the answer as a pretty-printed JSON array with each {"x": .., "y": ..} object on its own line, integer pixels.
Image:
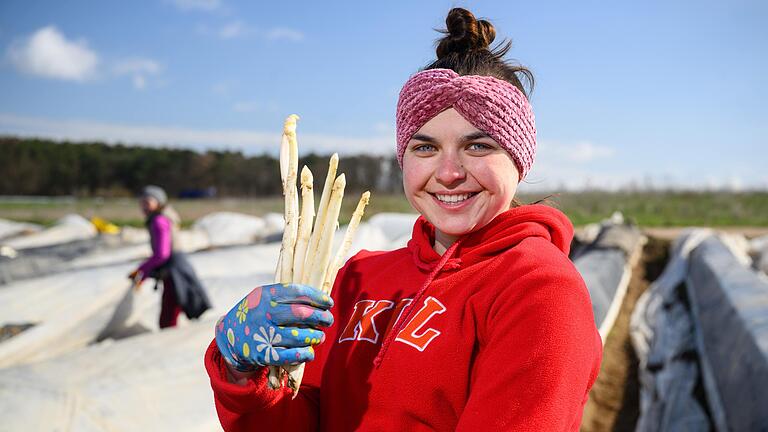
[
  {"x": 730, "y": 305},
  {"x": 603, "y": 263},
  {"x": 662, "y": 334},
  {"x": 44, "y": 260}
]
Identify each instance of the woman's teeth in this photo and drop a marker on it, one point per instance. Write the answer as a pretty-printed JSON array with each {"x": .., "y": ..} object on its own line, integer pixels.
[{"x": 451, "y": 199}]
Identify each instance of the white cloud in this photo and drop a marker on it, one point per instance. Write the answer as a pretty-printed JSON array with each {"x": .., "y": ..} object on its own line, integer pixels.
[
  {"x": 574, "y": 165},
  {"x": 138, "y": 69},
  {"x": 384, "y": 127},
  {"x": 139, "y": 83},
  {"x": 244, "y": 106},
  {"x": 239, "y": 29},
  {"x": 200, "y": 5},
  {"x": 235, "y": 29},
  {"x": 576, "y": 152},
  {"x": 249, "y": 141},
  {"x": 586, "y": 151},
  {"x": 137, "y": 65},
  {"x": 48, "y": 53},
  {"x": 284, "y": 33}
]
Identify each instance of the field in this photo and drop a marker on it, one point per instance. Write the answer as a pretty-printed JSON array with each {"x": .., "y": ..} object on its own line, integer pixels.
[{"x": 648, "y": 209}]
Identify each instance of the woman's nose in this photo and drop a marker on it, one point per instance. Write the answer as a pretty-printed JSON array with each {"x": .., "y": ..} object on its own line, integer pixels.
[{"x": 450, "y": 170}]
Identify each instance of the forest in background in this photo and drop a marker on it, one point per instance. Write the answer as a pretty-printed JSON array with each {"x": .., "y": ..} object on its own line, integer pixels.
[{"x": 32, "y": 166}]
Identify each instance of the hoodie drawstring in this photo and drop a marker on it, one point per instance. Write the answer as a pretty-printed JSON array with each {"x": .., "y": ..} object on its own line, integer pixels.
[{"x": 412, "y": 306}]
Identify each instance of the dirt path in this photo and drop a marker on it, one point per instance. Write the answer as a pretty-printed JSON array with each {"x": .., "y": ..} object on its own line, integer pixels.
[{"x": 614, "y": 400}]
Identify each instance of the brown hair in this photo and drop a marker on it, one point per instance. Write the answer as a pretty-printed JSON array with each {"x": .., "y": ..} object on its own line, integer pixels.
[{"x": 466, "y": 49}]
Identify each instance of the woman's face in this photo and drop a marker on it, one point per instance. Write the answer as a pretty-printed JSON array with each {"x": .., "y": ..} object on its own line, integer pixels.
[
  {"x": 456, "y": 176},
  {"x": 148, "y": 204}
]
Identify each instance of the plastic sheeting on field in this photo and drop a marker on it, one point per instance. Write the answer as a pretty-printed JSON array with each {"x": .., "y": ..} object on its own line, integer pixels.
[
  {"x": 10, "y": 228},
  {"x": 44, "y": 260},
  {"x": 67, "y": 229},
  {"x": 662, "y": 333},
  {"x": 606, "y": 264},
  {"x": 729, "y": 302},
  {"x": 396, "y": 227},
  {"x": 97, "y": 251},
  {"x": 706, "y": 314},
  {"x": 57, "y": 252},
  {"x": 43, "y": 252},
  {"x": 153, "y": 382},
  {"x": 228, "y": 228},
  {"x": 60, "y": 306}
]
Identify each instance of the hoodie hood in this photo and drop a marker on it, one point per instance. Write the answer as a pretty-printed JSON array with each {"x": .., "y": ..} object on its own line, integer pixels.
[{"x": 502, "y": 233}]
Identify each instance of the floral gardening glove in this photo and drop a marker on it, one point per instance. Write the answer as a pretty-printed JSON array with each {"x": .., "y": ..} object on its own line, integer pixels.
[{"x": 274, "y": 325}]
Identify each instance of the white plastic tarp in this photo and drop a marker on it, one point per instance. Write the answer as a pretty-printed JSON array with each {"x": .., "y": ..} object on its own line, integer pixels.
[
  {"x": 152, "y": 382},
  {"x": 394, "y": 225},
  {"x": 228, "y": 228},
  {"x": 9, "y": 228},
  {"x": 662, "y": 334},
  {"x": 69, "y": 228}
]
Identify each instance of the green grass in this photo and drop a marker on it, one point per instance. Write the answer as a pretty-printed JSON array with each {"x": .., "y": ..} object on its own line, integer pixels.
[
  {"x": 648, "y": 209},
  {"x": 669, "y": 209}
]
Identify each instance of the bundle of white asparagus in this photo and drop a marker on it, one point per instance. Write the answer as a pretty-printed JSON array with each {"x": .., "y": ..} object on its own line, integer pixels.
[{"x": 306, "y": 253}]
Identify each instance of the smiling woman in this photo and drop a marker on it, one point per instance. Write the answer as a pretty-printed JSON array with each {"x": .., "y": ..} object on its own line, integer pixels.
[{"x": 480, "y": 323}]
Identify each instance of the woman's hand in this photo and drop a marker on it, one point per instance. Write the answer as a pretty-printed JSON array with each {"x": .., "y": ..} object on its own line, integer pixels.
[
  {"x": 274, "y": 325},
  {"x": 134, "y": 274}
]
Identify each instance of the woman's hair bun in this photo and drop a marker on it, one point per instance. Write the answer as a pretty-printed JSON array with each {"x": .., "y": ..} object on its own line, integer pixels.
[{"x": 464, "y": 33}]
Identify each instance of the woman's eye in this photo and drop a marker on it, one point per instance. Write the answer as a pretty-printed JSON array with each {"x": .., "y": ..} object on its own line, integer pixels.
[
  {"x": 479, "y": 147},
  {"x": 423, "y": 148}
]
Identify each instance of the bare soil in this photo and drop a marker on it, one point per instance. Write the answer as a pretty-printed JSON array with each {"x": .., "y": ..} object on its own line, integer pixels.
[{"x": 10, "y": 330}]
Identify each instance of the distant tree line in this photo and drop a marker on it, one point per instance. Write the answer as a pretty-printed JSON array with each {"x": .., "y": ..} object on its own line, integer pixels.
[{"x": 30, "y": 166}]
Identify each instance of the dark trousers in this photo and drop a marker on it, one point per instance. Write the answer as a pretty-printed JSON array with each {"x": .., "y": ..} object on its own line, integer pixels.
[{"x": 170, "y": 309}]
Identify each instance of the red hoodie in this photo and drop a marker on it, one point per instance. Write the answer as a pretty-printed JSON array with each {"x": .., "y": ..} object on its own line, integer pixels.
[{"x": 497, "y": 334}]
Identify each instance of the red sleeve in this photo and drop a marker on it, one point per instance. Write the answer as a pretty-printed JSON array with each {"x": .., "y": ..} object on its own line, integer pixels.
[
  {"x": 255, "y": 406},
  {"x": 539, "y": 355}
]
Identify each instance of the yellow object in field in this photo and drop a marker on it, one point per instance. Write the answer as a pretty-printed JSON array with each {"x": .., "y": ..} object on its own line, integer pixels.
[{"x": 104, "y": 226}]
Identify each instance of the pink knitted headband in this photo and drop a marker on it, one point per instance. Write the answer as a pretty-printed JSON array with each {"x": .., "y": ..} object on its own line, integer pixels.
[{"x": 494, "y": 106}]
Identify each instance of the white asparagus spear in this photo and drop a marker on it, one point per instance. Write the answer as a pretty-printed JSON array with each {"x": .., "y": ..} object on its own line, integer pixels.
[
  {"x": 296, "y": 373},
  {"x": 291, "y": 201},
  {"x": 284, "y": 146},
  {"x": 309, "y": 266},
  {"x": 325, "y": 245},
  {"x": 284, "y": 157},
  {"x": 338, "y": 260},
  {"x": 288, "y": 171},
  {"x": 305, "y": 223}
]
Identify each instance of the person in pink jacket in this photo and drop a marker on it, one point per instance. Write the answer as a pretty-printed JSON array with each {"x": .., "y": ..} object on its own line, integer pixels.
[{"x": 181, "y": 288}]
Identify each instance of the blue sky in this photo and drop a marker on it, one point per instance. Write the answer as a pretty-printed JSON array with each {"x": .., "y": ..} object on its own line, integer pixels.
[{"x": 648, "y": 93}]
